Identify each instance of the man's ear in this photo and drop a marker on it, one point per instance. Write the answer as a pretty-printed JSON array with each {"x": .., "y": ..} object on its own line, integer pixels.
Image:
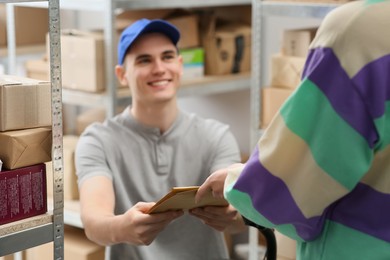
[
  {"x": 180, "y": 59},
  {"x": 120, "y": 74}
]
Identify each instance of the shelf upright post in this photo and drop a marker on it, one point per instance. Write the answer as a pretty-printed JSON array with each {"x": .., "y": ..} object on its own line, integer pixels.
[
  {"x": 255, "y": 102},
  {"x": 11, "y": 39},
  {"x": 110, "y": 50},
  {"x": 57, "y": 128}
]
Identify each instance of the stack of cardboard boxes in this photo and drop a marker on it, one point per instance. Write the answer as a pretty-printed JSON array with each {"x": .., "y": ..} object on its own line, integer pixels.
[
  {"x": 286, "y": 71},
  {"x": 25, "y": 144}
]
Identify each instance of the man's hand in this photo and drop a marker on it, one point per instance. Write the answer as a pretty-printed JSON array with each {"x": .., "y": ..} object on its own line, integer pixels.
[
  {"x": 220, "y": 218},
  {"x": 139, "y": 228}
]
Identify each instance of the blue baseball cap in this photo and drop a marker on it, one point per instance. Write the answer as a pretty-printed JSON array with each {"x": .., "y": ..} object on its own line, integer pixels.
[{"x": 138, "y": 28}]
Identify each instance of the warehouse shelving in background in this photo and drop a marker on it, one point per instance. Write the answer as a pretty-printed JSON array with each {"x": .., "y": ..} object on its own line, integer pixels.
[{"x": 20, "y": 235}]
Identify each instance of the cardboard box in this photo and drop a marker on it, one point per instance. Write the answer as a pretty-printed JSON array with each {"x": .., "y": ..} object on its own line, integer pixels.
[
  {"x": 238, "y": 13},
  {"x": 227, "y": 47},
  {"x": 127, "y": 17},
  {"x": 7, "y": 257},
  {"x": 24, "y": 103},
  {"x": 286, "y": 71},
  {"x": 296, "y": 42},
  {"x": 22, "y": 193},
  {"x": 38, "y": 69},
  {"x": 272, "y": 98},
  {"x": 193, "y": 63},
  {"x": 3, "y": 26},
  {"x": 76, "y": 247},
  {"x": 26, "y": 147},
  {"x": 188, "y": 25},
  {"x": 185, "y": 21},
  {"x": 31, "y": 25},
  {"x": 82, "y": 59},
  {"x": 70, "y": 189}
]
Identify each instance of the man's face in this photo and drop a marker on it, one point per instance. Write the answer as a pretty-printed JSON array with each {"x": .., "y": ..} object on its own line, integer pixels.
[{"x": 153, "y": 69}]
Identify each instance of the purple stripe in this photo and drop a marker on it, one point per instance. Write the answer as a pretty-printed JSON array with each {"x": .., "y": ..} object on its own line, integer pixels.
[
  {"x": 272, "y": 199},
  {"x": 324, "y": 70},
  {"x": 373, "y": 81},
  {"x": 366, "y": 210}
]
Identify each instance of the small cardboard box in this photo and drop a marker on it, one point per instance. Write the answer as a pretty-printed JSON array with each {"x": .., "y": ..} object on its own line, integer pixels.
[
  {"x": 3, "y": 27},
  {"x": 185, "y": 21},
  {"x": 227, "y": 47},
  {"x": 76, "y": 247},
  {"x": 38, "y": 69},
  {"x": 24, "y": 103},
  {"x": 188, "y": 25},
  {"x": 193, "y": 63},
  {"x": 20, "y": 148},
  {"x": 7, "y": 257},
  {"x": 286, "y": 71},
  {"x": 82, "y": 59},
  {"x": 22, "y": 193},
  {"x": 31, "y": 25},
  {"x": 71, "y": 191},
  {"x": 127, "y": 17},
  {"x": 296, "y": 42},
  {"x": 272, "y": 99}
]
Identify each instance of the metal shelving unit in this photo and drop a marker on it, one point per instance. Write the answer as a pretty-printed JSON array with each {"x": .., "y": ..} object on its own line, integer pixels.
[
  {"x": 261, "y": 10},
  {"x": 34, "y": 231}
]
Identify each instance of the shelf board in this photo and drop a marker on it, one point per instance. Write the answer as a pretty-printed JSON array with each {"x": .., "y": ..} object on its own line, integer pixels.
[
  {"x": 71, "y": 212},
  {"x": 14, "y": 236},
  {"x": 215, "y": 84},
  {"x": 23, "y": 50},
  {"x": 202, "y": 86}
]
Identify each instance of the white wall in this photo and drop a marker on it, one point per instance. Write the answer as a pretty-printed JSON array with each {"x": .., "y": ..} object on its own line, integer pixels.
[{"x": 231, "y": 108}]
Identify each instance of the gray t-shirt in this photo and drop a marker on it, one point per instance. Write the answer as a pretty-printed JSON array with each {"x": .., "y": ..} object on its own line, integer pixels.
[{"x": 145, "y": 164}]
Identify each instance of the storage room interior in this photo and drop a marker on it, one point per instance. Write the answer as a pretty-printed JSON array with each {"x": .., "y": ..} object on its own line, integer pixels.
[{"x": 232, "y": 107}]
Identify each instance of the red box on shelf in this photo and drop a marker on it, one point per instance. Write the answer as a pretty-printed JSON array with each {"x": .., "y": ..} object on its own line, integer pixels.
[{"x": 22, "y": 193}]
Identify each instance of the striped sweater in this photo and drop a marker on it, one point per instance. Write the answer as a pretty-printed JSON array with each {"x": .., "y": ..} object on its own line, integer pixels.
[{"x": 320, "y": 173}]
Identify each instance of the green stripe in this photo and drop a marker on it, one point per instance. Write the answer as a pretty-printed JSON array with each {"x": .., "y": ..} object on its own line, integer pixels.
[
  {"x": 383, "y": 126},
  {"x": 243, "y": 203},
  {"x": 370, "y": 2},
  {"x": 340, "y": 242},
  {"x": 335, "y": 146}
]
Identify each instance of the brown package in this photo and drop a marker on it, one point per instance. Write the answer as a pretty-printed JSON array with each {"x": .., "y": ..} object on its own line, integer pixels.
[{"x": 25, "y": 147}]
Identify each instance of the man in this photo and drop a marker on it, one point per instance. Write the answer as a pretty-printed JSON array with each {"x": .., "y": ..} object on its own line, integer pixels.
[
  {"x": 130, "y": 161},
  {"x": 320, "y": 174}
]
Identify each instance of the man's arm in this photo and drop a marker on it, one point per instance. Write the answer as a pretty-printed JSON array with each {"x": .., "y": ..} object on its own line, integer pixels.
[{"x": 102, "y": 226}]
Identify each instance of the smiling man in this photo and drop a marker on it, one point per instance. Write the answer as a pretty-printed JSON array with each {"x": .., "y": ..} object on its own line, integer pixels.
[{"x": 130, "y": 161}]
